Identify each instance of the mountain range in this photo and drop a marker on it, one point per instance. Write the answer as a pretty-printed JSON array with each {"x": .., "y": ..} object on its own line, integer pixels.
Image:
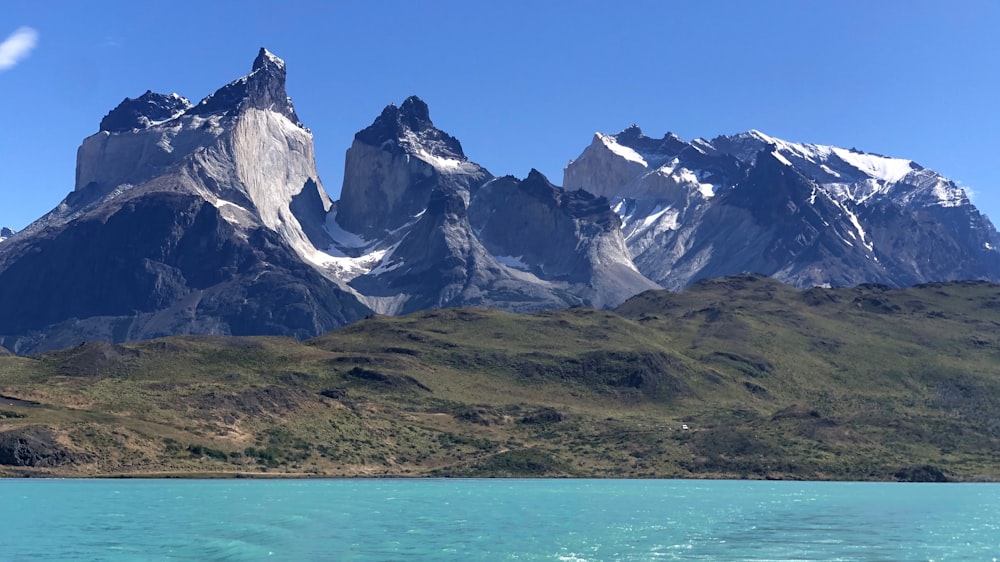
[
  {"x": 806, "y": 214},
  {"x": 210, "y": 218}
]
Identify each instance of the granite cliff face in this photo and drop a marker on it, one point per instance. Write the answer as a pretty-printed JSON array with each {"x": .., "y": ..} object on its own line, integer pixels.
[
  {"x": 805, "y": 214},
  {"x": 184, "y": 219},
  {"x": 393, "y": 166},
  {"x": 560, "y": 236},
  {"x": 242, "y": 148}
]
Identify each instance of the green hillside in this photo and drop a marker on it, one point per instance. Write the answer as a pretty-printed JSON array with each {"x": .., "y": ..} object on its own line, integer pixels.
[{"x": 772, "y": 382}]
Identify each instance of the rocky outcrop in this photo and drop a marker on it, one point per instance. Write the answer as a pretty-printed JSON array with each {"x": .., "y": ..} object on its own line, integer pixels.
[
  {"x": 922, "y": 473},
  {"x": 34, "y": 446},
  {"x": 144, "y": 111}
]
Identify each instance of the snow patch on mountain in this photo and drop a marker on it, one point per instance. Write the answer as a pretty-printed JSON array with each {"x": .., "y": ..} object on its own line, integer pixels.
[
  {"x": 342, "y": 238},
  {"x": 781, "y": 158},
  {"x": 861, "y": 237},
  {"x": 516, "y": 262},
  {"x": 849, "y": 174},
  {"x": 662, "y": 218},
  {"x": 621, "y": 150},
  {"x": 347, "y": 268},
  {"x": 435, "y": 154},
  {"x": 680, "y": 176},
  {"x": 878, "y": 167}
]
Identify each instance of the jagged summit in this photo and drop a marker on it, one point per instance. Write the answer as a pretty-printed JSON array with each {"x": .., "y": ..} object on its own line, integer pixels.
[
  {"x": 394, "y": 164},
  {"x": 649, "y": 147},
  {"x": 263, "y": 88},
  {"x": 576, "y": 204},
  {"x": 415, "y": 113},
  {"x": 6, "y": 233},
  {"x": 141, "y": 112},
  {"x": 535, "y": 176},
  {"x": 409, "y": 128},
  {"x": 267, "y": 58},
  {"x": 143, "y": 137}
]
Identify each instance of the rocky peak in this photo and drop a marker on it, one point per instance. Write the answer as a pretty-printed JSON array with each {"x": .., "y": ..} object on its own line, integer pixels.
[
  {"x": 6, "y": 233},
  {"x": 668, "y": 146},
  {"x": 408, "y": 128},
  {"x": 538, "y": 185},
  {"x": 415, "y": 113},
  {"x": 143, "y": 111},
  {"x": 630, "y": 133},
  {"x": 577, "y": 204},
  {"x": 393, "y": 166},
  {"x": 266, "y": 59},
  {"x": 263, "y": 88}
]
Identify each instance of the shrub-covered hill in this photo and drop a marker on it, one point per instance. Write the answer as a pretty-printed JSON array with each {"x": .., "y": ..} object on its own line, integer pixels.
[{"x": 771, "y": 382}]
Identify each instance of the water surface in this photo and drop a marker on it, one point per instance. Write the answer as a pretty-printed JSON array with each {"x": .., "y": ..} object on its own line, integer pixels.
[{"x": 571, "y": 520}]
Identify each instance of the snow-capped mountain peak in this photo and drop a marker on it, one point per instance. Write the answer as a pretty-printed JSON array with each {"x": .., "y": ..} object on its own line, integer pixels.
[
  {"x": 630, "y": 164},
  {"x": 611, "y": 142},
  {"x": 6, "y": 233},
  {"x": 850, "y": 174},
  {"x": 806, "y": 213}
]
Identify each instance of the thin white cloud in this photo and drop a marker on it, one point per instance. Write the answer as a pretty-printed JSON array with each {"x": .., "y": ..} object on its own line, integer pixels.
[
  {"x": 16, "y": 47},
  {"x": 969, "y": 192}
]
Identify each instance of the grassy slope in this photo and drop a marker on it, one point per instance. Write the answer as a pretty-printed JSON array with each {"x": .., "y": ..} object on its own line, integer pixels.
[{"x": 862, "y": 383}]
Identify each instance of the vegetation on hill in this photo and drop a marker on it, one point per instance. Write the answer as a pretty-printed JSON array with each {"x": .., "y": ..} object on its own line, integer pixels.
[{"x": 861, "y": 383}]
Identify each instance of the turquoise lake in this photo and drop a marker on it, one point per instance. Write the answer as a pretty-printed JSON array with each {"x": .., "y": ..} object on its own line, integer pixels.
[{"x": 568, "y": 520}]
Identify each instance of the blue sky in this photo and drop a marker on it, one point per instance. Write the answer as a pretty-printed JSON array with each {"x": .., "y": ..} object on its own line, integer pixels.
[{"x": 522, "y": 84}]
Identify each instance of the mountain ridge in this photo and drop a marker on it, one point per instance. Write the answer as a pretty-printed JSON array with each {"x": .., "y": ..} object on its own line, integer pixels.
[
  {"x": 678, "y": 200},
  {"x": 210, "y": 218}
]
